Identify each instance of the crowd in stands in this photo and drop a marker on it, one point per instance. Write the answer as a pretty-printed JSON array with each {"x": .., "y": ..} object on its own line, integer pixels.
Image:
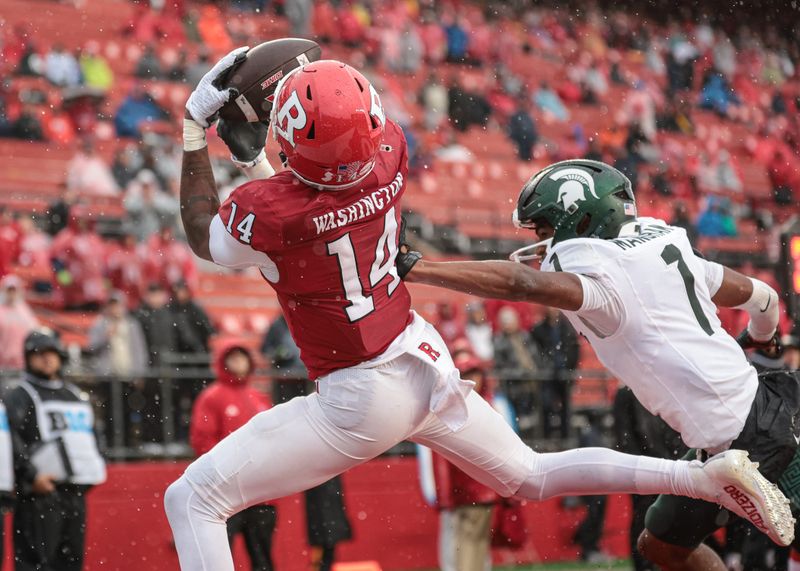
[
  {"x": 648, "y": 82},
  {"x": 675, "y": 106}
]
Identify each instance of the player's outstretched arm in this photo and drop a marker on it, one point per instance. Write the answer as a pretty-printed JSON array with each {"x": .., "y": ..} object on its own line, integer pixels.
[
  {"x": 199, "y": 200},
  {"x": 758, "y": 299},
  {"x": 502, "y": 280}
]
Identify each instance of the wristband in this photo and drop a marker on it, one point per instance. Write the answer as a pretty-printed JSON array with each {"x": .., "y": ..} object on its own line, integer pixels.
[
  {"x": 194, "y": 136},
  {"x": 259, "y": 167}
]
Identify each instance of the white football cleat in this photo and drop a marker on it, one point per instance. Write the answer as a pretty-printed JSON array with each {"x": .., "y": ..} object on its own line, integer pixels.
[{"x": 741, "y": 489}]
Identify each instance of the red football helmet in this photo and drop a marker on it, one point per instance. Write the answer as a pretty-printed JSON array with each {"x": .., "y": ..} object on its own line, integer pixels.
[{"x": 329, "y": 122}]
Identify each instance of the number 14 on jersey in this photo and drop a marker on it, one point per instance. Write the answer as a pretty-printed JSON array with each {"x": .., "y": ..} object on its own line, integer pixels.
[{"x": 361, "y": 305}]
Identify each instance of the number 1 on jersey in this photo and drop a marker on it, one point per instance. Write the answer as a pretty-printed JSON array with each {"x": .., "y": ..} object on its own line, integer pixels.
[
  {"x": 671, "y": 254},
  {"x": 362, "y": 305}
]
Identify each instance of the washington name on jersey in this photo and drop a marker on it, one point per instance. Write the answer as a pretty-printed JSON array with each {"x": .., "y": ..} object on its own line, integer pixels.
[{"x": 361, "y": 208}]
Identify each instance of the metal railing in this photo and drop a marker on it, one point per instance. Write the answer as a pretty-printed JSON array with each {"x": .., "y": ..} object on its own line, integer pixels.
[{"x": 147, "y": 415}]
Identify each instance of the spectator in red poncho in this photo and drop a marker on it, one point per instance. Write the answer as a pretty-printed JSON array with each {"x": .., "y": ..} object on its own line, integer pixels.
[
  {"x": 78, "y": 263},
  {"x": 168, "y": 261},
  {"x": 16, "y": 321},
  {"x": 220, "y": 409}
]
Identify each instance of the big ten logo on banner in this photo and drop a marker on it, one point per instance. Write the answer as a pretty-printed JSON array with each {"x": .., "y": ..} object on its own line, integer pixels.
[{"x": 74, "y": 420}]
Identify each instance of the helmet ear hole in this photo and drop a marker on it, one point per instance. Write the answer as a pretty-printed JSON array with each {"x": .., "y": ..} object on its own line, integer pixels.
[
  {"x": 583, "y": 225},
  {"x": 308, "y": 93}
]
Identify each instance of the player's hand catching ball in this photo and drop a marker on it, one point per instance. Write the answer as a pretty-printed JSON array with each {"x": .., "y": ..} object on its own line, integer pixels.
[
  {"x": 772, "y": 348},
  {"x": 406, "y": 257},
  {"x": 207, "y": 99},
  {"x": 245, "y": 140}
]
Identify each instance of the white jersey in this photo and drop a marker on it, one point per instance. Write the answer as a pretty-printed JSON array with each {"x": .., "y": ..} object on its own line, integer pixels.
[{"x": 648, "y": 314}]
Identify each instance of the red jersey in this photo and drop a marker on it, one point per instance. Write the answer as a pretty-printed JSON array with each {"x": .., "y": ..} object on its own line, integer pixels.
[{"x": 328, "y": 255}]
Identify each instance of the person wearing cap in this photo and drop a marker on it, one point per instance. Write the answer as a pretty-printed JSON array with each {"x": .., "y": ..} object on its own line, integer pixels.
[
  {"x": 226, "y": 405},
  {"x": 16, "y": 321},
  {"x": 56, "y": 460}
]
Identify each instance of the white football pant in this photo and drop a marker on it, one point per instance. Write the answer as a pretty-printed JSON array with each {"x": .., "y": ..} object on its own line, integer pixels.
[{"x": 359, "y": 413}]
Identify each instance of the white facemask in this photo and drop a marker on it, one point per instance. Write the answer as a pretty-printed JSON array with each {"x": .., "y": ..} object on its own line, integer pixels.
[{"x": 528, "y": 253}]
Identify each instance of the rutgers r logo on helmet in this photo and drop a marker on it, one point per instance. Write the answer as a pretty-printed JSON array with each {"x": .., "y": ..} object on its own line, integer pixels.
[
  {"x": 291, "y": 116},
  {"x": 329, "y": 122}
]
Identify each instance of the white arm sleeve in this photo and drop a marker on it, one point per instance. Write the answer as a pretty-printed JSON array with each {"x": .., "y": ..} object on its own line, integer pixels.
[
  {"x": 601, "y": 307},
  {"x": 713, "y": 274},
  {"x": 229, "y": 252},
  {"x": 763, "y": 307}
]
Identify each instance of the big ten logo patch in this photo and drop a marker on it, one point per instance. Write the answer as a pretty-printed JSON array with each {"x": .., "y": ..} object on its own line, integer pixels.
[
  {"x": 3, "y": 421},
  {"x": 430, "y": 351},
  {"x": 74, "y": 420}
]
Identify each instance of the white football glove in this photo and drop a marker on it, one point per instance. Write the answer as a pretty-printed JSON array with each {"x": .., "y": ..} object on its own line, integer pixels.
[{"x": 206, "y": 100}]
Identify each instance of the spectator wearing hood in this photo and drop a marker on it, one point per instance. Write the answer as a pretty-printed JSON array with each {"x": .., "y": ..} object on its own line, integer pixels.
[
  {"x": 226, "y": 405},
  {"x": 16, "y": 321},
  {"x": 78, "y": 263}
]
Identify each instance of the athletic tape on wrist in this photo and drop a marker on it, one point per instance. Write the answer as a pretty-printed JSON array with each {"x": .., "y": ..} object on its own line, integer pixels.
[
  {"x": 194, "y": 136},
  {"x": 257, "y": 168}
]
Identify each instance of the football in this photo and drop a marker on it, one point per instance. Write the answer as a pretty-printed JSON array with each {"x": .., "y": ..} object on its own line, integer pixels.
[{"x": 257, "y": 76}]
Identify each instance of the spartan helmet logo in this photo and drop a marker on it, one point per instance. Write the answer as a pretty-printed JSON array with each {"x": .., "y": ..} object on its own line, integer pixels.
[{"x": 573, "y": 189}]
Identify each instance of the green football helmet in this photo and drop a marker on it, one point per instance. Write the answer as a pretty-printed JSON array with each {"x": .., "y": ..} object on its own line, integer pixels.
[{"x": 579, "y": 198}]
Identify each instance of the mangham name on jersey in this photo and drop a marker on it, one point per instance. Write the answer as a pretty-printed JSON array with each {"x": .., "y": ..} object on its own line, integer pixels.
[
  {"x": 648, "y": 234},
  {"x": 361, "y": 208}
]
